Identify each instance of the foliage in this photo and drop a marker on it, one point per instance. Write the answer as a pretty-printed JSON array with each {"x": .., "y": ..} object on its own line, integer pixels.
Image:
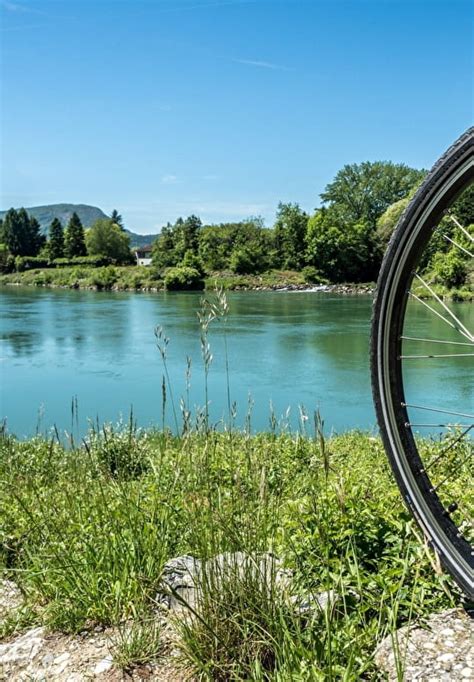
[
  {"x": 92, "y": 261},
  {"x": 117, "y": 219},
  {"x": 463, "y": 207},
  {"x": 21, "y": 233},
  {"x": 388, "y": 221},
  {"x": 86, "y": 542},
  {"x": 106, "y": 238},
  {"x": 56, "y": 240},
  {"x": 7, "y": 261},
  {"x": 63, "y": 212},
  {"x": 175, "y": 241},
  {"x": 30, "y": 262},
  {"x": 183, "y": 278},
  {"x": 341, "y": 252},
  {"x": 362, "y": 192},
  {"x": 77, "y": 274},
  {"x": 74, "y": 240},
  {"x": 313, "y": 275},
  {"x": 290, "y": 235},
  {"x": 449, "y": 268}
]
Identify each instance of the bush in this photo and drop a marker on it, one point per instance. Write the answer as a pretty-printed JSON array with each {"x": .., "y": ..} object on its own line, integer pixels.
[
  {"x": 104, "y": 278},
  {"x": 242, "y": 261},
  {"x": 7, "y": 261},
  {"x": 30, "y": 262},
  {"x": 449, "y": 269},
  {"x": 312, "y": 275},
  {"x": 182, "y": 278},
  {"x": 93, "y": 261}
]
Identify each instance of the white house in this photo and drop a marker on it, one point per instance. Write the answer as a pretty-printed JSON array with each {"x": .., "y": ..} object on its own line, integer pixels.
[{"x": 143, "y": 255}]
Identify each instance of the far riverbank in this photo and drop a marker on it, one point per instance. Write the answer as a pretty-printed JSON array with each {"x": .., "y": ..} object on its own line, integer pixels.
[{"x": 143, "y": 279}]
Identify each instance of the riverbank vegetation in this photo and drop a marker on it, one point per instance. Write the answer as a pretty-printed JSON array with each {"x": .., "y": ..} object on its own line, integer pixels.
[
  {"x": 86, "y": 530},
  {"x": 343, "y": 241}
]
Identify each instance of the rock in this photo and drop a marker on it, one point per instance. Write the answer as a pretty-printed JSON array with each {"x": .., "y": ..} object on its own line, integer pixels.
[
  {"x": 10, "y": 598},
  {"x": 442, "y": 650},
  {"x": 103, "y": 665},
  {"x": 181, "y": 576}
]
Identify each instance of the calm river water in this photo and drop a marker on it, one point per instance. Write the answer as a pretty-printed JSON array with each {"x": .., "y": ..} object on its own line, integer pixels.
[{"x": 285, "y": 350}]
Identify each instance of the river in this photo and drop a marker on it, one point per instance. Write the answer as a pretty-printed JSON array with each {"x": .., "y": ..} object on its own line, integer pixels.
[{"x": 289, "y": 354}]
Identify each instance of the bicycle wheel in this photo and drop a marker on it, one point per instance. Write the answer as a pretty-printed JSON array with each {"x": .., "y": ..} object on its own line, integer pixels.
[{"x": 405, "y": 362}]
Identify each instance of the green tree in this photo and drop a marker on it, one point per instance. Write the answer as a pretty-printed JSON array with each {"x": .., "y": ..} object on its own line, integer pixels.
[
  {"x": 187, "y": 236},
  {"x": 164, "y": 253},
  {"x": 463, "y": 207},
  {"x": 21, "y": 234},
  {"x": 290, "y": 232},
  {"x": 74, "y": 238},
  {"x": 341, "y": 253},
  {"x": 106, "y": 238},
  {"x": 362, "y": 192},
  {"x": 56, "y": 240},
  {"x": 116, "y": 218}
]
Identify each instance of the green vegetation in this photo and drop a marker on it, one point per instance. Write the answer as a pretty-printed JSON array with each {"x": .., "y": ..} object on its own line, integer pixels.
[
  {"x": 343, "y": 241},
  {"x": 107, "y": 238},
  {"x": 86, "y": 531},
  {"x": 81, "y": 274}
]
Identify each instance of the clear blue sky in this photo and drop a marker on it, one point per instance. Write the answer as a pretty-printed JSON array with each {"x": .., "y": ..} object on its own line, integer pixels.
[{"x": 223, "y": 108}]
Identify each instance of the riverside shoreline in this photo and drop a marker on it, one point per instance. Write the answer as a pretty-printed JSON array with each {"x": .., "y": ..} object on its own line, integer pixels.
[{"x": 139, "y": 280}]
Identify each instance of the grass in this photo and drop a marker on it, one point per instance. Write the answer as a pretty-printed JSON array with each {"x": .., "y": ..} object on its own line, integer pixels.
[{"x": 86, "y": 538}]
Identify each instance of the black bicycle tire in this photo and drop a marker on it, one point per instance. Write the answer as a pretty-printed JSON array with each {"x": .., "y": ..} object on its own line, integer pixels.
[{"x": 451, "y": 174}]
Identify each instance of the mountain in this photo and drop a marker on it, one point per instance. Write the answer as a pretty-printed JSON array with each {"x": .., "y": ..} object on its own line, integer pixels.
[
  {"x": 140, "y": 239},
  {"x": 88, "y": 215}
]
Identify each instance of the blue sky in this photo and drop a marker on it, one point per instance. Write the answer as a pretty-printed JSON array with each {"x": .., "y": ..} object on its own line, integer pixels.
[{"x": 223, "y": 108}]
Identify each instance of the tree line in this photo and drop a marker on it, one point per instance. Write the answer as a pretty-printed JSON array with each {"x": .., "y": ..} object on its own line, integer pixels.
[
  {"x": 20, "y": 237},
  {"x": 341, "y": 241}
]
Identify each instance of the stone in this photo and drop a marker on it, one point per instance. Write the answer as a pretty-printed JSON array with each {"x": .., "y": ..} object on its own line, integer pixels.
[
  {"x": 441, "y": 650},
  {"x": 103, "y": 665},
  {"x": 181, "y": 576}
]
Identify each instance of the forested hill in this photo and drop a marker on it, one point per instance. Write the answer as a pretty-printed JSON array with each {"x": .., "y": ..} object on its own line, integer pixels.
[
  {"x": 45, "y": 214},
  {"x": 87, "y": 214}
]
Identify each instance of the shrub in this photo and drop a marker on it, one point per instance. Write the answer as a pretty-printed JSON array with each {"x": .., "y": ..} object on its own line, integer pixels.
[
  {"x": 242, "y": 261},
  {"x": 312, "y": 275},
  {"x": 104, "y": 278},
  {"x": 182, "y": 278},
  {"x": 30, "y": 262},
  {"x": 450, "y": 269},
  {"x": 7, "y": 261},
  {"x": 94, "y": 261}
]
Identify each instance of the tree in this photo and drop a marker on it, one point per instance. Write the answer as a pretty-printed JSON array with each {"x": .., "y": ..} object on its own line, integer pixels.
[
  {"x": 56, "y": 240},
  {"x": 21, "y": 234},
  {"x": 187, "y": 236},
  {"x": 74, "y": 239},
  {"x": 290, "y": 232},
  {"x": 341, "y": 253},
  {"x": 106, "y": 238},
  {"x": 116, "y": 218},
  {"x": 364, "y": 191},
  {"x": 163, "y": 252}
]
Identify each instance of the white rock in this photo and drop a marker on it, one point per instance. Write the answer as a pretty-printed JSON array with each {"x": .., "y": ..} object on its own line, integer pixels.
[{"x": 103, "y": 665}]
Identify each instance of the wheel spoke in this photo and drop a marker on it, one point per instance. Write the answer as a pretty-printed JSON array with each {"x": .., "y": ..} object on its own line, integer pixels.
[
  {"x": 458, "y": 245},
  {"x": 446, "y": 478},
  {"x": 445, "y": 355},
  {"x": 437, "y": 409},
  {"x": 458, "y": 324},
  {"x": 450, "y": 447},
  {"x": 454, "y": 343}
]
